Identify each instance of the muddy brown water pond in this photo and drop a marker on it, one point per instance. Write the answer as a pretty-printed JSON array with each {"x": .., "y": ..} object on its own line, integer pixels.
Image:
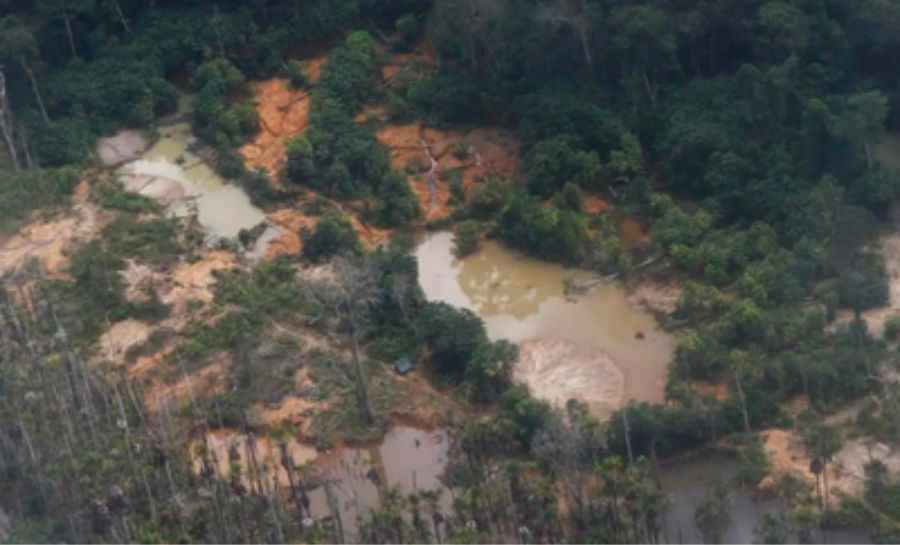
[
  {"x": 597, "y": 347},
  {"x": 686, "y": 483},
  {"x": 171, "y": 173},
  {"x": 407, "y": 460},
  {"x": 347, "y": 482}
]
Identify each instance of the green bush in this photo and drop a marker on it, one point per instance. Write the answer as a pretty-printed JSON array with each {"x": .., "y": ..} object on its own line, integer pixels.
[
  {"x": 113, "y": 197},
  {"x": 865, "y": 286},
  {"x": 454, "y": 336},
  {"x": 754, "y": 463},
  {"x": 349, "y": 73},
  {"x": 551, "y": 164},
  {"x": 259, "y": 187},
  {"x": 296, "y": 73},
  {"x": 333, "y": 235},
  {"x": 543, "y": 231},
  {"x": 892, "y": 328},
  {"x": 466, "y": 238},
  {"x": 217, "y": 119},
  {"x": 570, "y": 198},
  {"x": 489, "y": 198},
  {"x": 299, "y": 167},
  {"x": 407, "y": 28},
  {"x": 397, "y": 203},
  {"x": 23, "y": 192},
  {"x": 64, "y": 142}
]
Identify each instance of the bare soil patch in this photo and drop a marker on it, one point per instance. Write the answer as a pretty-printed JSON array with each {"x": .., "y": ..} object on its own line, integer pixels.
[
  {"x": 557, "y": 371},
  {"x": 49, "y": 241},
  {"x": 126, "y": 145}
]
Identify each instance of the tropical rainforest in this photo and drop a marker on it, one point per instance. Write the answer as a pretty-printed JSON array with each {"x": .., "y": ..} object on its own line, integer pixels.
[{"x": 753, "y": 142}]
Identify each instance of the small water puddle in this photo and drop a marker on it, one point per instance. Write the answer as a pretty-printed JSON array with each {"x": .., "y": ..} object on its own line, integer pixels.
[{"x": 598, "y": 344}]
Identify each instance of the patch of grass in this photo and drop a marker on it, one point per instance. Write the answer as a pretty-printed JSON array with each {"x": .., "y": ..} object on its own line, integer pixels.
[
  {"x": 21, "y": 193},
  {"x": 113, "y": 197},
  {"x": 94, "y": 298},
  {"x": 153, "y": 241},
  {"x": 249, "y": 301}
]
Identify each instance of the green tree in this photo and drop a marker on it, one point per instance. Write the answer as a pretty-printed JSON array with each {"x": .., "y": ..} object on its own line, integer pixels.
[
  {"x": 18, "y": 44},
  {"x": 466, "y": 238},
  {"x": 553, "y": 163},
  {"x": 644, "y": 43},
  {"x": 754, "y": 462},
  {"x": 66, "y": 10},
  {"x": 782, "y": 30},
  {"x": 454, "y": 336},
  {"x": 713, "y": 515},
  {"x": 772, "y": 529},
  {"x": 862, "y": 121},
  {"x": 822, "y": 443},
  {"x": 333, "y": 235}
]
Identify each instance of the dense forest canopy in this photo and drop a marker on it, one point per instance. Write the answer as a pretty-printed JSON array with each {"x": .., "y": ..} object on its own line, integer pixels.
[{"x": 747, "y": 134}]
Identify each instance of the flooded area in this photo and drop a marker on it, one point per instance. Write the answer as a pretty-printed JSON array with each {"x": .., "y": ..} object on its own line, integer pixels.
[
  {"x": 408, "y": 460},
  {"x": 598, "y": 347},
  {"x": 343, "y": 485},
  {"x": 887, "y": 151},
  {"x": 686, "y": 483}
]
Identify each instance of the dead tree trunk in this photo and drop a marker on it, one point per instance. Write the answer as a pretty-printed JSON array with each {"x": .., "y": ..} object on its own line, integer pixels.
[
  {"x": 26, "y": 149},
  {"x": 6, "y": 124},
  {"x": 362, "y": 385},
  {"x": 70, "y": 33},
  {"x": 122, "y": 19},
  {"x": 34, "y": 87},
  {"x": 740, "y": 389}
]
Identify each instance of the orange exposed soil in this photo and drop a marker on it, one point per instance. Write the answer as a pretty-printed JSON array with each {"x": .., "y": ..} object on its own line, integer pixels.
[
  {"x": 293, "y": 220},
  {"x": 482, "y": 152},
  {"x": 715, "y": 391},
  {"x": 196, "y": 280},
  {"x": 422, "y": 406},
  {"x": 185, "y": 282},
  {"x": 207, "y": 382},
  {"x": 283, "y": 114},
  {"x": 846, "y": 472},
  {"x": 49, "y": 241},
  {"x": 594, "y": 204},
  {"x": 633, "y": 234}
]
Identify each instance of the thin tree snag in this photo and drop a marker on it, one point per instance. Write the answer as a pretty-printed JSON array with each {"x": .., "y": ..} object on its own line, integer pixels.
[
  {"x": 431, "y": 176},
  {"x": 121, "y": 15},
  {"x": 69, "y": 32},
  {"x": 6, "y": 123},
  {"x": 34, "y": 87}
]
